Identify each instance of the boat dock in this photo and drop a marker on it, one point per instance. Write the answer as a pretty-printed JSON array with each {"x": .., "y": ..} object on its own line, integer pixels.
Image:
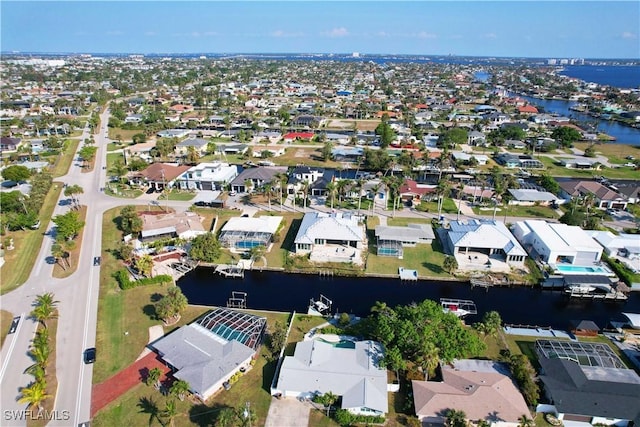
[
  {"x": 609, "y": 296},
  {"x": 459, "y": 307},
  {"x": 406, "y": 274},
  {"x": 480, "y": 283},
  {"x": 230, "y": 270},
  {"x": 320, "y": 307},
  {"x": 237, "y": 300}
]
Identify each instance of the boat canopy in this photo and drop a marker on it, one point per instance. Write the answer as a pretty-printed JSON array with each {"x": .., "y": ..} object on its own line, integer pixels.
[{"x": 634, "y": 319}]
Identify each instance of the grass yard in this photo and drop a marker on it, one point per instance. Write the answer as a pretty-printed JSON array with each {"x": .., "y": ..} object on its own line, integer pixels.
[
  {"x": 180, "y": 195},
  {"x": 616, "y": 153},
  {"x": 74, "y": 255},
  {"x": 125, "y": 134},
  {"x": 448, "y": 207},
  {"x": 20, "y": 261},
  {"x": 275, "y": 257},
  {"x": 519, "y": 211},
  {"x": 113, "y": 146},
  {"x": 61, "y": 167},
  {"x": 553, "y": 169},
  {"x": 309, "y": 156}
]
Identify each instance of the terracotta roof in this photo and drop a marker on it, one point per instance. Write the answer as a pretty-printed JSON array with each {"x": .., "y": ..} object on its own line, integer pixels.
[
  {"x": 301, "y": 135},
  {"x": 480, "y": 395},
  {"x": 410, "y": 186},
  {"x": 155, "y": 172},
  {"x": 530, "y": 109}
]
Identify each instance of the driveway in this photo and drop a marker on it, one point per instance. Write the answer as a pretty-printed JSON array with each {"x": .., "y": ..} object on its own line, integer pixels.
[{"x": 288, "y": 412}]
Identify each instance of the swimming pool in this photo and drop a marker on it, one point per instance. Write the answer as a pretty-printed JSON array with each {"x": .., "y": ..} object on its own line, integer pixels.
[{"x": 582, "y": 269}]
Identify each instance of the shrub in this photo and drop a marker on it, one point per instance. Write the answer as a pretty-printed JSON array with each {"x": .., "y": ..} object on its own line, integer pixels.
[
  {"x": 122, "y": 277},
  {"x": 346, "y": 418}
]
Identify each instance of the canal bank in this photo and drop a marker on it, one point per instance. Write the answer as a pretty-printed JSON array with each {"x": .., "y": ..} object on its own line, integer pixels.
[{"x": 356, "y": 295}]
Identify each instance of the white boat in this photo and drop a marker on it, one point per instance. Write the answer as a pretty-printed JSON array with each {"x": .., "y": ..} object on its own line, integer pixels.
[
  {"x": 581, "y": 289},
  {"x": 459, "y": 307},
  {"x": 321, "y": 307}
]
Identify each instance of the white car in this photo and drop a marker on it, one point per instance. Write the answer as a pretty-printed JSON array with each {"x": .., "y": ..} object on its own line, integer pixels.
[{"x": 232, "y": 193}]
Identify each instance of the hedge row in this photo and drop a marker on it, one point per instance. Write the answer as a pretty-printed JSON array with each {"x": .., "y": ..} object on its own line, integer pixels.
[
  {"x": 621, "y": 271},
  {"x": 346, "y": 418},
  {"x": 122, "y": 277}
]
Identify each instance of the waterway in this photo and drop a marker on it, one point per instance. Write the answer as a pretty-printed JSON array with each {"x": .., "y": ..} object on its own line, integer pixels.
[
  {"x": 622, "y": 134},
  {"x": 288, "y": 292}
]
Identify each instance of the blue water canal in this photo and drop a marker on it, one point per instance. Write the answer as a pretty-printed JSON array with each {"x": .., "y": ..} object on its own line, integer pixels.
[{"x": 287, "y": 292}]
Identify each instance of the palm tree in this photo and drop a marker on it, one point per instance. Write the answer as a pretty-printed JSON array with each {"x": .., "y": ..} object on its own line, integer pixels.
[
  {"x": 456, "y": 418},
  {"x": 360, "y": 185},
  {"x": 71, "y": 191},
  {"x": 305, "y": 191},
  {"x": 442, "y": 191},
  {"x": 266, "y": 189},
  {"x": 331, "y": 189},
  {"x": 375, "y": 189},
  {"x": 281, "y": 180},
  {"x": 525, "y": 421},
  {"x": 57, "y": 252},
  {"x": 170, "y": 411},
  {"x": 429, "y": 358},
  {"x": 153, "y": 377},
  {"x": 119, "y": 169},
  {"x": 38, "y": 372},
  {"x": 34, "y": 394},
  {"x": 460, "y": 193},
  {"x": 179, "y": 388},
  {"x": 45, "y": 308},
  {"x": 144, "y": 265},
  {"x": 227, "y": 417}
]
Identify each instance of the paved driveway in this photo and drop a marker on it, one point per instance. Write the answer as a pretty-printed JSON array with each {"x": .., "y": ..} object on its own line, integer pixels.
[{"x": 288, "y": 412}]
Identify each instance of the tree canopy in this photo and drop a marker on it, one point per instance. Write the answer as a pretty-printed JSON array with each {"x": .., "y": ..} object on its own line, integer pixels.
[
  {"x": 16, "y": 173},
  {"x": 205, "y": 247},
  {"x": 566, "y": 135},
  {"x": 420, "y": 333},
  {"x": 68, "y": 225}
]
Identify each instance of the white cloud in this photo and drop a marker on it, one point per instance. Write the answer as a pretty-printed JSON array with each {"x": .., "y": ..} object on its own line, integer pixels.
[
  {"x": 210, "y": 33},
  {"x": 629, "y": 35},
  {"x": 336, "y": 32},
  {"x": 284, "y": 34},
  {"x": 115, "y": 33},
  {"x": 150, "y": 33},
  {"x": 490, "y": 36},
  {"x": 426, "y": 35}
]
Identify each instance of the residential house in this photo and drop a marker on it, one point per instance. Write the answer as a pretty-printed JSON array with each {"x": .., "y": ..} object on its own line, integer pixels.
[
  {"x": 624, "y": 248},
  {"x": 245, "y": 233},
  {"x": 133, "y": 118},
  {"x": 391, "y": 239},
  {"x": 232, "y": 149},
  {"x": 484, "y": 239},
  {"x": 160, "y": 175},
  {"x": 347, "y": 154},
  {"x": 293, "y": 136},
  {"x": 209, "y": 351},
  {"x": 198, "y": 144},
  {"x": 207, "y": 176},
  {"x": 604, "y": 197},
  {"x": 351, "y": 371},
  {"x": 557, "y": 243},
  {"x": 527, "y": 110},
  {"x": 173, "y": 133},
  {"x": 257, "y": 177},
  {"x": 9, "y": 144},
  {"x": 335, "y": 237},
  {"x": 482, "y": 389},
  {"x": 578, "y": 163},
  {"x": 476, "y": 138},
  {"x": 522, "y": 161},
  {"x": 184, "y": 225},
  {"x": 273, "y": 151},
  {"x": 37, "y": 145},
  {"x": 531, "y": 196},
  {"x": 411, "y": 191},
  {"x": 587, "y": 384},
  {"x": 459, "y": 156},
  {"x": 315, "y": 178},
  {"x": 628, "y": 188}
]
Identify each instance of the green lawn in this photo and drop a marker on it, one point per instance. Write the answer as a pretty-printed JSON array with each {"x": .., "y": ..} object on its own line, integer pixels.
[
  {"x": 125, "y": 135},
  {"x": 284, "y": 241},
  {"x": 180, "y": 195},
  {"x": 427, "y": 260},
  {"x": 553, "y": 169},
  {"x": 448, "y": 207},
  {"x": 516, "y": 210},
  {"x": 63, "y": 162},
  {"x": 112, "y": 158},
  {"x": 20, "y": 261},
  {"x": 112, "y": 146}
]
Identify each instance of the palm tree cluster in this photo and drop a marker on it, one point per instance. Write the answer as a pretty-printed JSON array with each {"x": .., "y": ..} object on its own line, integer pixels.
[{"x": 36, "y": 392}]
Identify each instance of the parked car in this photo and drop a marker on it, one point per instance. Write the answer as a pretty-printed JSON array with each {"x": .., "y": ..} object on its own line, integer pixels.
[
  {"x": 232, "y": 193},
  {"x": 96, "y": 260},
  {"x": 89, "y": 355}
]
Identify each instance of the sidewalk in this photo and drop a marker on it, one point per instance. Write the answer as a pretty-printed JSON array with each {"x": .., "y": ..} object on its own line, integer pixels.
[{"x": 104, "y": 393}]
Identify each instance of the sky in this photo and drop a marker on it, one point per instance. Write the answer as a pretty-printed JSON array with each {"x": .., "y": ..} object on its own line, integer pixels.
[{"x": 544, "y": 29}]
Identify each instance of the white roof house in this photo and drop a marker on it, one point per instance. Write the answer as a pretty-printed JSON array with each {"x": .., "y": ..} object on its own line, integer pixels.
[
  {"x": 490, "y": 237},
  {"x": 612, "y": 244},
  {"x": 353, "y": 373},
  {"x": 557, "y": 243},
  {"x": 465, "y": 157},
  {"x": 530, "y": 196},
  {"x": 185, "y": 225},
  {"x": 207, "y": 176},
  {"x": 320, "y": 230}
]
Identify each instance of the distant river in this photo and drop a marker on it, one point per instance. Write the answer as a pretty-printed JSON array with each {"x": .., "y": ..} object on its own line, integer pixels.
[{"x": 288, "y": 292}]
